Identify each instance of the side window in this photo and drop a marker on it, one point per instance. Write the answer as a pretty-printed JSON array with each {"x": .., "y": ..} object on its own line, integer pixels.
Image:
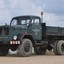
[
  {"x": 35, "y": 21},
  {"x": 28, "y": 21},
  {"x": 23, "y": 21}
]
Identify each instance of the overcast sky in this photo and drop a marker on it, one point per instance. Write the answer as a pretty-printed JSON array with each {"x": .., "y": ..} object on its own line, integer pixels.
[{"x": 53, "y": 10}]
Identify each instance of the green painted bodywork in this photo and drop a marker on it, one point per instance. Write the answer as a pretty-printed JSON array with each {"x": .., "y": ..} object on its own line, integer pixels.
[{"x": 34, "y": 29}]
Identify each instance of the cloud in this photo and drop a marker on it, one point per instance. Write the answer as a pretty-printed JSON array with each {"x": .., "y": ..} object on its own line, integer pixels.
[
  {"x": 11, "y": 8},
  {"x": 53, "y": 20},
  {"x": 52, "y": 6},
  {"x": 53, "y": 10},
  {"x": 25, "y": 7},
  {"x": 2, "y": 5},
  {"x": 4, "y": 14}
]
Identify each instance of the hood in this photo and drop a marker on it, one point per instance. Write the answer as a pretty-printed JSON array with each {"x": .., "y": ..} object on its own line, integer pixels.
[
  {"x": 6, "y": 26},
  {"x": 4, "y": 30}
]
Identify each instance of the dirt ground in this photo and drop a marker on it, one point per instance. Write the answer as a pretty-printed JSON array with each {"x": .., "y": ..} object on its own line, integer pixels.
[{"x": 49, "y": 58}]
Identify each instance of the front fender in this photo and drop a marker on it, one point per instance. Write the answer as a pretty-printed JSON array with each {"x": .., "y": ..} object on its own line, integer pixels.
[
  {"x": 28, "y": 36},
  {"x": 22, "y": 36}
]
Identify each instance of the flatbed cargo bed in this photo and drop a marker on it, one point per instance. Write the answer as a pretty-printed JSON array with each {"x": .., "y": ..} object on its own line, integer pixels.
[{"x": 57, "y": 31}]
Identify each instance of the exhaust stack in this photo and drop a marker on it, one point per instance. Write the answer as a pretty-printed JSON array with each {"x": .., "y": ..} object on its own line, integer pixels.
[{"x": 41, "y": 17}]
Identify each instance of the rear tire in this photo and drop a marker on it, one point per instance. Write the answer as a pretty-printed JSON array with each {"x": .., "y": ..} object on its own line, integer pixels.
[
  {"x": 39, "y": 50},
  {"x": 25, "y": 48},
  {"x": 55, "y": 48},
  {"x": 60, "y": 47}
]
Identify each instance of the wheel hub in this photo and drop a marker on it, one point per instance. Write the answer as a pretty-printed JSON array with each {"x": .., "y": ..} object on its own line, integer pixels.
[{"x": 27, "y": 47}]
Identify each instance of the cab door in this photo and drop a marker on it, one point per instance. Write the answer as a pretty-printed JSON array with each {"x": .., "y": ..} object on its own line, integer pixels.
[{"x": 36, "y": 29}]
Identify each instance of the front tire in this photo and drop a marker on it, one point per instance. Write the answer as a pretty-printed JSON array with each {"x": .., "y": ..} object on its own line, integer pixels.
[{"x": 25, "y": 48}]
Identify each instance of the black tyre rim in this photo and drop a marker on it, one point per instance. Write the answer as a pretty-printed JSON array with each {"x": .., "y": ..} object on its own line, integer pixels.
[{"x": 27, "y": 47}]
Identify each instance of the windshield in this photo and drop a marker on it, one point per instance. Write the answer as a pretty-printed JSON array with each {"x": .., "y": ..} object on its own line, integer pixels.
[
  {"x": 20, "y": 21},
  {"x": 14, "y": 22}
]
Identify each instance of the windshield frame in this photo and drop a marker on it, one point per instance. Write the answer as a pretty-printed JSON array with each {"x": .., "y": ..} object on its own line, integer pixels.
[{"x": 19, "y": 20}]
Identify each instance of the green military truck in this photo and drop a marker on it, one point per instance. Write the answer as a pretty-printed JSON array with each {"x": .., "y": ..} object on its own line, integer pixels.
[{"x": 25, "y": 32}]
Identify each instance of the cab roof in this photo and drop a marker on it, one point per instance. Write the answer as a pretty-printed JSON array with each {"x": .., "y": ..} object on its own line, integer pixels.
[{"x": 26, "y": 16}]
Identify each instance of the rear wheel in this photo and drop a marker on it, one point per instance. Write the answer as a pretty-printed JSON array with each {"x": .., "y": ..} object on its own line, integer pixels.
[
  {"x": 60, "y": 47},
  {"x": 25, "y": 49},
  {"x": 3, "y": 50},
  {"x": 55, "y": 48},
  {"x": 39, "y": 50}
]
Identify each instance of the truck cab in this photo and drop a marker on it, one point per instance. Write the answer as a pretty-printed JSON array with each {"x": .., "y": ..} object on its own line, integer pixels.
[
  {"x": 23, "y": 33},
  {"x": 31, "y": 25}
]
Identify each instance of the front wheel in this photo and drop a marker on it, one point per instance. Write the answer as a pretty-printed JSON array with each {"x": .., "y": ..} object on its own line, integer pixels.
[{"x": 25, "y": 48}]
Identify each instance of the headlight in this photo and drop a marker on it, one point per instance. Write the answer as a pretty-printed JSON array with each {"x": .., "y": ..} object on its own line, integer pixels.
[{"x": 15, "y": 37}]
